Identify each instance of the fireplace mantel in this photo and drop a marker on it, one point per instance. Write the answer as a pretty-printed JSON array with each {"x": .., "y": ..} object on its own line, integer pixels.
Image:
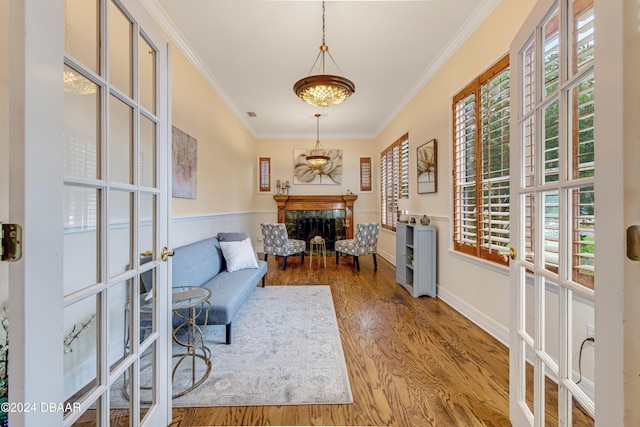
[{"x": 318, "y": 202}]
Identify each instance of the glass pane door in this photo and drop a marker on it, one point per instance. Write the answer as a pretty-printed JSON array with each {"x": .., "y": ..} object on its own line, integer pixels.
[
  {"x": 115, "y": 194},
  {"x": 552, "y": 227}
]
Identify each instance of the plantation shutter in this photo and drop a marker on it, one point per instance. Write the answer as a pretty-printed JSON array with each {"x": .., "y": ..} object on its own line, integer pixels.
[
  {"x": 265, "y": 173},
  {"x": 464, "y": 215},
  {"x": 481, "y": 165},
  {"x": 494, "y": 220},
  {"x": 365, "y": 174},
  {"x": 394, "y": 171}
]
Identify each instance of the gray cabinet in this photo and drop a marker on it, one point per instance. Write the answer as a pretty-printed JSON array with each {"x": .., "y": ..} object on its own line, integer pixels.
[{"x": 416, "y": 258}]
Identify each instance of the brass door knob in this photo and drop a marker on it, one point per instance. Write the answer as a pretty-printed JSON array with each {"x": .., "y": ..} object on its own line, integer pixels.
[
  {"x": 166, "y": 253},
  {"x": 511, "y": 253}
]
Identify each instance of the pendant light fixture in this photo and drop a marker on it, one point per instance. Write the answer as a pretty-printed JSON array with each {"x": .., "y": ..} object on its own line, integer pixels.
[
  {"x": 324, "y": 90},
  {"x": 317, "y": 159}
]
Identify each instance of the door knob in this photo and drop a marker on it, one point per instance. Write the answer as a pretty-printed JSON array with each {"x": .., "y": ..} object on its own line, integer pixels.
[
  {"x": 166, "y": 253},
  {"x": 511, "y": 253}
]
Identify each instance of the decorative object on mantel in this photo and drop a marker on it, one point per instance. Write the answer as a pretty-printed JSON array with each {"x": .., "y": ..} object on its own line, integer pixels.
[
  {"x": 282, "y": 189},
  {"x": 317, "y": 159},
  {"x": 425, "y": 220},
  {"x": 184, "y": 152},
  {"x": 412, "y": 220},
  {"x": 427, "y": 167},
  {"x": 324, "y": 90}
]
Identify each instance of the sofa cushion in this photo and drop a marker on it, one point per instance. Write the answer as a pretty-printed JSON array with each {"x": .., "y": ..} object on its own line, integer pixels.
[
  {"x": 229, "y": 291},
  {"x": 239, "y": 255},
  {"x": 194, "y": 264}
]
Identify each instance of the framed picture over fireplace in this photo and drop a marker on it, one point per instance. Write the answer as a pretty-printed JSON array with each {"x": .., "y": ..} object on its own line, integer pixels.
[{"x": 329, "y": 174}]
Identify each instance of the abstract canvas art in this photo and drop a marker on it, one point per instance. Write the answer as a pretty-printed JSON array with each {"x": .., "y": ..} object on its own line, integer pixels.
[
  {"x": 184, "y": 153},
  {"x": 427, "y": 167},
  {"x": 304, "y": 173}
]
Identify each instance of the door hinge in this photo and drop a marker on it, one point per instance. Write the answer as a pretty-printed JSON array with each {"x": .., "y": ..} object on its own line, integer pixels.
[{"x": 10, "y": 242}]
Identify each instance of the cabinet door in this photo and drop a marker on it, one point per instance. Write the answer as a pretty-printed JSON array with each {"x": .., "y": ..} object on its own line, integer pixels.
[
  {"x": 401, "y": 253},
  {"x": 425, "y": 271}
]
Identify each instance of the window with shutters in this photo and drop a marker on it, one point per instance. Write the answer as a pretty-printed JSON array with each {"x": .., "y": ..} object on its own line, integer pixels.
[
  {"x": 481, "y": 164},
  {"x": 394, "y": 180},
  {"x": 264, "y": 173},
  {"x": 365, "y": 174}
]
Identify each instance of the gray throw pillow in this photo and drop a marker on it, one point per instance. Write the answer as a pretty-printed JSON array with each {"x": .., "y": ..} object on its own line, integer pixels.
[{"x": 233, "y": 236}]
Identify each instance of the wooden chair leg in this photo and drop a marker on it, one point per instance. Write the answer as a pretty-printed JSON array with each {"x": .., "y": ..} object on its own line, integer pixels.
[
  {"x": 375, "y": 262},
  {"x": 356, "y": 261},
  {"x": 265, "y": 257},
  {"x": 284, "y": 262},
  {"x": 302, "y": 258},
  {"x": 337, "y": 258}
]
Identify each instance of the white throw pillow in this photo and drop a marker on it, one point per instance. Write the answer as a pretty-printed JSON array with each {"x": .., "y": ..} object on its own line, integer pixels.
[{"x": 239, "y": 255}]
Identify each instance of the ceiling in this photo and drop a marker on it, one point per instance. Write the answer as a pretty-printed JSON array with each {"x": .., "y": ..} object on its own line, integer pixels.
[{"x": 251, "y": 52}]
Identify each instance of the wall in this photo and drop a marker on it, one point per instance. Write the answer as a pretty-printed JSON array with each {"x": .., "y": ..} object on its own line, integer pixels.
[
  {"x": 226, "y": 169},
  {"x": 226, "y": 166},
  {"x": 476, "y": 289},
  {"x": 366, "y": 207}
]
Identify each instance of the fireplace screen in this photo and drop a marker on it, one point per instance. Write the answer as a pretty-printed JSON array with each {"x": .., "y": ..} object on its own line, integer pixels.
[{"x": 308, "y": 228}]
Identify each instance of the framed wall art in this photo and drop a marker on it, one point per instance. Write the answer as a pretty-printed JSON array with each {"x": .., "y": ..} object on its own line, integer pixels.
[
  {"x": 184, "y": 150},
  {"x": 304, "y": 173},
  {"x": 427, "y": 167}
]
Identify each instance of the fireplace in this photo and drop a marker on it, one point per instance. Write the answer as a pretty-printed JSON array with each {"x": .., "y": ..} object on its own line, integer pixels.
[
  {"x": 310, "y": 227},
  {"x": 326, "y": 215}
]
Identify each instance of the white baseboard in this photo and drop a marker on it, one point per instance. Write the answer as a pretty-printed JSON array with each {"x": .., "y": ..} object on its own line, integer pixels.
[{"x": 489, "y": 325}]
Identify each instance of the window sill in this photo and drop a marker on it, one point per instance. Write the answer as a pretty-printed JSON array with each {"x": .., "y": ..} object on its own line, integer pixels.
[{"x": 502, "y": 269}]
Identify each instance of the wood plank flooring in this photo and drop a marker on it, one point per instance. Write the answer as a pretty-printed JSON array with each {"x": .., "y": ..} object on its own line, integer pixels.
[{"x": 411, "y": 361}]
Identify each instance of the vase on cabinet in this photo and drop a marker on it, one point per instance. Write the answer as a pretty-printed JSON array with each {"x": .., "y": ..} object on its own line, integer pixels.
[{"x": 425, "y": 220}]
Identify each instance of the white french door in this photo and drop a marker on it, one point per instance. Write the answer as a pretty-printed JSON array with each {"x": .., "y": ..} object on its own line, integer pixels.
[
  {"x": 90, "y": 297},
  {"x": 553, "y": 215},
  {"x": 115, "y": 213}
]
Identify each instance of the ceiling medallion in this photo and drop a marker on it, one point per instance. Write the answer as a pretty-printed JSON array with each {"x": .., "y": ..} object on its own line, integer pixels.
[{"x": 324, "y": 90}]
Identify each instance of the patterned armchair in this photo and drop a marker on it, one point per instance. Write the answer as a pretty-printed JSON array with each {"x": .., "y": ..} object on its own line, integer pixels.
[
  {"x": 277, "y": 242},
  {"x": 365, "y": 242}
]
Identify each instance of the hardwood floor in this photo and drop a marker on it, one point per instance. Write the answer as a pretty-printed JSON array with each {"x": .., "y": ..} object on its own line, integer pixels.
[{"x": 412, "y": 362}]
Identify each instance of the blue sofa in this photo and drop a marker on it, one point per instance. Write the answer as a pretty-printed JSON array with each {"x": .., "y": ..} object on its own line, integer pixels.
[{"x": 202, "y": 264}]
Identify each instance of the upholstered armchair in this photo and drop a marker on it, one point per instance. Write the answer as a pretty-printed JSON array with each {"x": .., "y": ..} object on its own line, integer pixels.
[
  {"x": 364, "y": 243},
  {"x": 277, "y": 242}
]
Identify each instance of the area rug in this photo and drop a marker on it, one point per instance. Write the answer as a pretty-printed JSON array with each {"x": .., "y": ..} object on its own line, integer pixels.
[{"x": 286, "y": 350}]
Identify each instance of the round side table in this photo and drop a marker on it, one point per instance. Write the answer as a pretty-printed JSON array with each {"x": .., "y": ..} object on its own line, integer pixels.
[{"x": 188, "y": 303}]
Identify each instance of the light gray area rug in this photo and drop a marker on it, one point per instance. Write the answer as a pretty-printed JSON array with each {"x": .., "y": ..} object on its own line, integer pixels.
[{"x": 286, "y": 350}]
